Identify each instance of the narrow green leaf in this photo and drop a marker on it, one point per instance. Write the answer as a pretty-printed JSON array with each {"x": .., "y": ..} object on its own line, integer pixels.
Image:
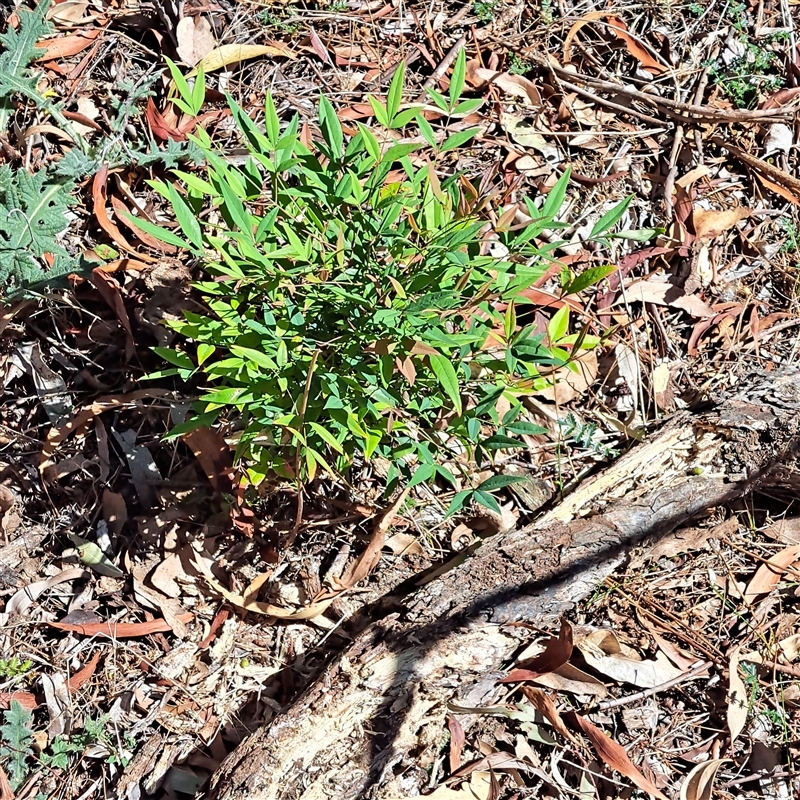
[
  {"x": 446, "y": 375},
  {"x": 422, "y": 474},
  {"x": 186, "y": 218},
  {"x": 175, "y": 357},
  {"x": 589, "y": 277},
  {"x": 558, "y": 325},
  {"x": 395, "y": 95},
  {"x": 487, "y": 501},
  {"x": 326, "y": 436},
  {"x": 261, "y": 359},
  {"x": 379, "y": 109},
  {"x": 162, "y": 234},
  {"x": 556, "y": 196},
  {"x": 370, "y": 142},
  {"x": 611, "y": 218},
  {"x": 458, "y": 502},
  {"x": 331, "y": 128},
  {"x": 458, "y": 138},
  {"x": 457, "y": 78},
  {"x": 198, "y": 92},
  {"x": 500, "y": 442},
  {"x": 499, "y": 482}
]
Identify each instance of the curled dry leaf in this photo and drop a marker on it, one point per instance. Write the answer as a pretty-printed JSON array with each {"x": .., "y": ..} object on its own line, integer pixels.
[
  {"x": 618, "y": 27},
  {"x": 65, "y": 46},
  {"x": 457, "y": 740},
  {"x": 246, "y": 602},
  {"x": 769, "y": 574},
  {"x": 612, "y": 754},
  {"x": 699, "y": 783},
  {"x": 516, "y": 85},
  {"x": 711, "y": 223},
  {"x": 557, "y": 652},
  {"x": 603, "y": 652},
  {"x": 228, "y": 54},
  {"x": 99, "y": 200},
  {"x": 79, "y": 678}
]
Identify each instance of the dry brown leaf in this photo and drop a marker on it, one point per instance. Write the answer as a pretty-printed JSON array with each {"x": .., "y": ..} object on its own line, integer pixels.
[
  {"x": 781, "y": 191},
  {"x": 115, "y": 511},
  {"x": 83, "y": 416},
  {"x": 25, "y": 699},
  {"x": 568, "y": 384},
  {"x": 65, "y": 46},
  {"x": 228, "y": 54},
  {"x": 244, "y": 602},
  {"x": 634, "y": 47},
  {"x": 711, "y": 223},
  {"x": 110, "y": 290},
  {"x": 99, "y": 200},
  {"x": 769, "y": 575},
  {"x": 516, "y": 85},
  {"x": 785, "y": 531},
  {"x": 371, "y": 555},
  {"x": 557, "y": 652},
  {"x": 119, "y": 630},
  {"x": 603, "y": 652},
  {"x": 214, "y": 456},
  {"x": 195, "y": 39},
  {"x": 663, "y": 293},
  {"x": 478, "y": 788},
  {"x": 402, "y": 544},
  {"x": 568, "y": 678},
  {"x": 699, "y": 783},
  {"x": 612, "y": 754},
  {"x": 544, "y": 704},
  {"x": 79, "y": 678},
  {"x": 6, "y": 792},
  {"x": 457, "y": 741}
]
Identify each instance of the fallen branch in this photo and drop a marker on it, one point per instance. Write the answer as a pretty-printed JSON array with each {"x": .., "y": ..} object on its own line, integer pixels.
[{"x": 378, "y": 711}]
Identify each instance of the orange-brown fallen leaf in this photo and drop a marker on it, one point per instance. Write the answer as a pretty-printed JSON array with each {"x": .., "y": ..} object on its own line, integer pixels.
[
  {"x": 25, "y": 699},
  {"x": 119, "y": 630},
  {"x": 6, "y": 792},
  {"x": 99, "y": 200},
  {"x": 769, "y": 574},
  {"x": 544, "y": 704},
  {"x": 65, "y": 46},
  {"x": 612, "y": 753},
  {"x": 79, "y": 678}
]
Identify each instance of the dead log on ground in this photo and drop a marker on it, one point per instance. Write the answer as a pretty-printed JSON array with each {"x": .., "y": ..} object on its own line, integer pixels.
[{"x": 374, "y": 720}]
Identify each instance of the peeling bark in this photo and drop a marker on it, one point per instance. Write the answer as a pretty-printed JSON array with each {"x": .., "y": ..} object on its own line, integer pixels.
[{"x": 374, "y": 720}]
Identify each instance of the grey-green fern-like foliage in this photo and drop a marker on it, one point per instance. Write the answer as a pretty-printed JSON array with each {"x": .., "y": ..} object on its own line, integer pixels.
[
  {"x": 33, "y": 211},
  {"x": 16, "y": 737},
  {"x": 19, "y": 52}
]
